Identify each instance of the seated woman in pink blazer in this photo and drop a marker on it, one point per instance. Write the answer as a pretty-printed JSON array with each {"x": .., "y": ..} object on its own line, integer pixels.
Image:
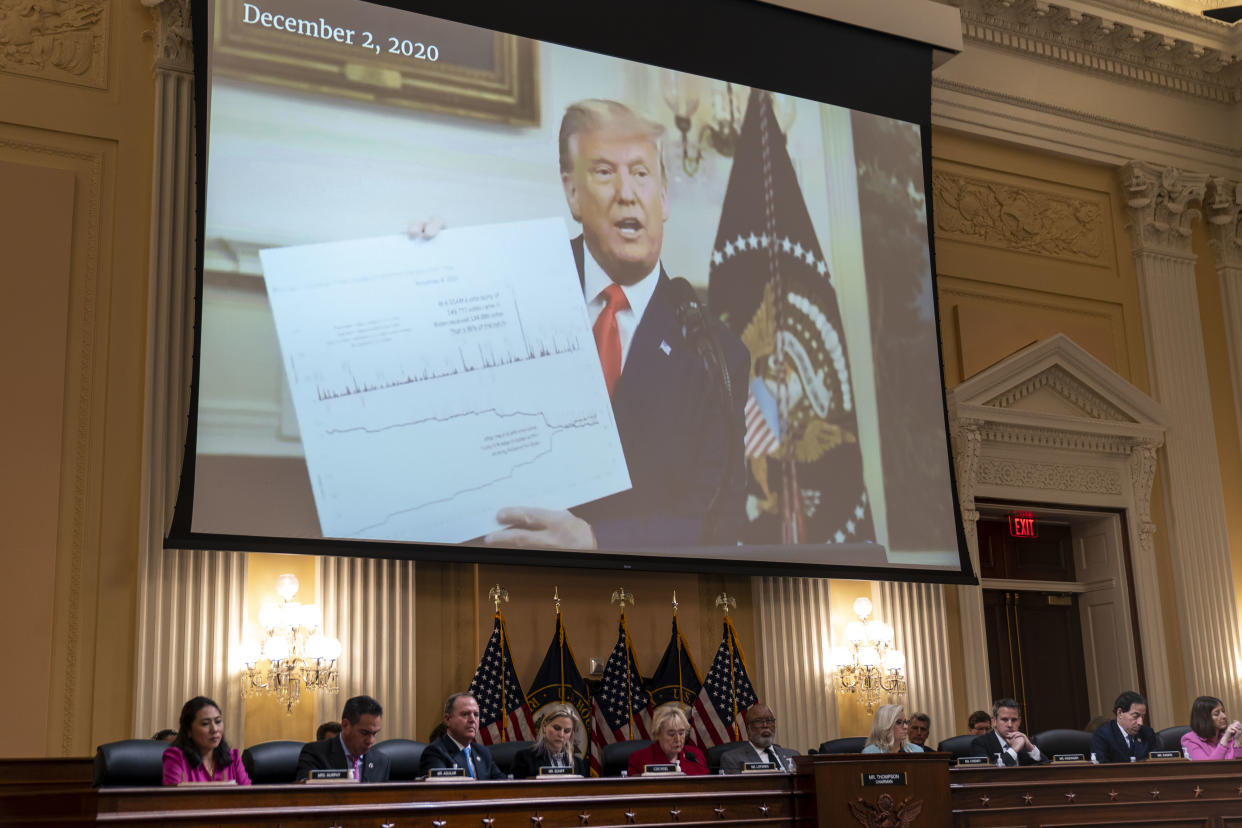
[
  {"x": 1211, "y": 734},
  {"x": 199, "y": 753}
]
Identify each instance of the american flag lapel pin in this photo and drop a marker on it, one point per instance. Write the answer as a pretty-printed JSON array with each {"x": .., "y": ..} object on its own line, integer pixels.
[{"x": 665, "y": 347}]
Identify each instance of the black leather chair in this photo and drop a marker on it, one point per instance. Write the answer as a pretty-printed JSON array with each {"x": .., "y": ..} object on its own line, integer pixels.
[
  {"x": 957, "y": 745},
  {"x": 617, "y": 755},
  {"x": 504, "y": 753},
  {"x": 403, "y": 756},
  {"x": 848, "y": 744},
  {"x": 1052, "y": 742},
  {"x": 1171, "y": 737},
  {"x": 272, "y": 763},
  {"x": 715, "y": 752},
  {"x": 130, "y": 763}
]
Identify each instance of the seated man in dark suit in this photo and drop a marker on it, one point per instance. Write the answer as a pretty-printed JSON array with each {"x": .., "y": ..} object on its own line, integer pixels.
[
  {"x": 360, "y": 724},
  {"x": 761, "y": 745},
  {"x": 457, "y": 748},
  {"x": 1012, "y": 745},
  {"x": 1126, "y": 738}
]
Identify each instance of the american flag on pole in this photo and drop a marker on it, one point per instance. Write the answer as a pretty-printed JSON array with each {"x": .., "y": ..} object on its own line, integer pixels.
[
  {"x": 504, "y": 715},
  {"x": 727, "y": 694},
  {"x": 622, "y": 708}
]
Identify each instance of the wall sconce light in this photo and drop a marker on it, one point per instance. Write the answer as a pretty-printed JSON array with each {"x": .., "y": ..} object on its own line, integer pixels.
[
  {"x": 293, "y": 653},
  {"x": 869, "y": 666}
]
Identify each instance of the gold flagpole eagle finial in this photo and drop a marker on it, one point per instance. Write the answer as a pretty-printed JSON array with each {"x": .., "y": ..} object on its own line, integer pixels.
[
  {"x": 675, "y": 605},
  {"x": 556, "y": 599},
  {"x": 498, "y": 594},
  {"x": 620, "y": 596},
  {"x": 725, "y": 602}
]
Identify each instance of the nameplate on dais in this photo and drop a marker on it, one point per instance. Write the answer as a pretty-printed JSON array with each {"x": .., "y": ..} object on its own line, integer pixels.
[
  {"x": 660, "y": 769},
  {"x": 898, "y": 778}
]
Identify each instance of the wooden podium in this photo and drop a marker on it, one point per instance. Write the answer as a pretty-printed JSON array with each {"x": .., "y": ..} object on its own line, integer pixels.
[{"x": 875, "y": 790}]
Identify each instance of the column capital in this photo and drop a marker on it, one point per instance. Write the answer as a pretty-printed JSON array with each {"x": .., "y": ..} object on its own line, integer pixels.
[
  {"x": 1161, "y": 202},
  {"x": 173, "y": 35},
  {"x": 1222, "y": 208}
]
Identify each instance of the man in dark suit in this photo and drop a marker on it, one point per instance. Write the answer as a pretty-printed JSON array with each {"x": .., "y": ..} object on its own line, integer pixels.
[
  {"x": 683, "y": 440},
  {"x": 1126, "y": 738},
  {"x": 761, "y": 743},
  {"x": 1006, "y": 740},
  {"x": 351, "y": 748},
  {"x": 457, "y": 748}
]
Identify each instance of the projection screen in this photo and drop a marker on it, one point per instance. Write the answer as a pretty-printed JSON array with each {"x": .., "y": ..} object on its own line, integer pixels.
[{"x": 550, "y": 286}]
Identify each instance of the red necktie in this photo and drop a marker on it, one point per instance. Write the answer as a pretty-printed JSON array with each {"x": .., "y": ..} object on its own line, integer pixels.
[{"x": 607, "y": 337}]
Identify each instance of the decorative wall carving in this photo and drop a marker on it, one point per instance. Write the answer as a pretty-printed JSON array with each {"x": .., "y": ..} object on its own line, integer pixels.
[
  {"x": 55, "y": 40},
  {"x": 174, "y": 41},
  {"x": 1141, "y": 42},
  {"x": 1222, "y": 209},
  {"x": 1059, "y": 380},
  {"x": 1162, "y": 202},
  {"x": 1057, "y": 477},
  {"x": 1018, "y": 218}
]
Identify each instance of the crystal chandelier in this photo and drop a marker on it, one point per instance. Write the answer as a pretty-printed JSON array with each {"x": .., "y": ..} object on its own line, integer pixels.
[
  {"x": 869, "y": 666},
  {"x": 293, "y": 655}
]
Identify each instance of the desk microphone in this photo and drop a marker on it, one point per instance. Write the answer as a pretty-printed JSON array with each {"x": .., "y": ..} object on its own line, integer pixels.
[{"x": 685, "y": 754}]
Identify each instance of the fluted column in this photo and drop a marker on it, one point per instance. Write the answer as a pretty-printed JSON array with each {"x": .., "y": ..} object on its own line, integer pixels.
[
  {"x": 967, "y": 440},
  {"x": 189, "y": 603},
  {"x": 1223, "y": 209},
  {"x": 791, "y": 618},
  {"x": 921, "y": 631},
  {"x": 368, "y": 604},
  {"x": 1162, "y": 202}
]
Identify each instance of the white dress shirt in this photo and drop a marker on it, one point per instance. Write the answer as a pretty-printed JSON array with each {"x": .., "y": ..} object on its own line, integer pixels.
[{"x": 594, "y": 280}]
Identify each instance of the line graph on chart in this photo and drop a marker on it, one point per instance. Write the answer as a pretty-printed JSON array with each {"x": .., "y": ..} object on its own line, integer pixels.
[{"x": 435, "y": 383}]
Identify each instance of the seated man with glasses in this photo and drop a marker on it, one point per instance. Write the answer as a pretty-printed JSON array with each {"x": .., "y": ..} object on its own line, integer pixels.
[{"x": 761, "y": 745}]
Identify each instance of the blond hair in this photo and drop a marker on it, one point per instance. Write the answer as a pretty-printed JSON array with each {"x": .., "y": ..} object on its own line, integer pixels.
[
  {"x": 882, "y": 728},
  {"x": 558, "y": 711},
  {"x": 597, "y": 113},
  {"x": 664, "y": 715}
]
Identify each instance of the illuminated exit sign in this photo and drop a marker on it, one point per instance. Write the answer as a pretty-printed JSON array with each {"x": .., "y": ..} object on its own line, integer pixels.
[{"x": 1022, "y": 525}]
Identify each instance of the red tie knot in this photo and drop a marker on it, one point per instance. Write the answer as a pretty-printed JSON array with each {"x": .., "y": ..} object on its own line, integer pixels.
[{"x": 614, "y": 298}]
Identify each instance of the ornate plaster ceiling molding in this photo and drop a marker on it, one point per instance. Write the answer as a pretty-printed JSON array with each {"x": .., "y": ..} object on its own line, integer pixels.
[{"x": 1135, "y": 40}]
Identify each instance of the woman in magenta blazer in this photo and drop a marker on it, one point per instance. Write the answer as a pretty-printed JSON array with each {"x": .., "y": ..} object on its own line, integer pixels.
[
  {"x": 670, "y": 728},
  {"x": 1211, "y": 734},
  {"x": 199, "y": 753}
]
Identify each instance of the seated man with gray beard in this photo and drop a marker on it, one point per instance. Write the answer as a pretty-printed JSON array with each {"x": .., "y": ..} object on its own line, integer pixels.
[{"x": 761, "y": 747}]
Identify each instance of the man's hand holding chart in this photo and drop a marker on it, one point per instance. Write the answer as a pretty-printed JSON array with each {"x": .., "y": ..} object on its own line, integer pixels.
[{"x": 438, "y": 381}]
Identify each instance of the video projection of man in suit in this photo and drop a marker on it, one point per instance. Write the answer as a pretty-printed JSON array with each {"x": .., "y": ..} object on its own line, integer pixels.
[{"x": 682, "y": 446}]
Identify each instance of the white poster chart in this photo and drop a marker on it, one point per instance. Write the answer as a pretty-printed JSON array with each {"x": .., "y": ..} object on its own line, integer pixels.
[{"x": 438, "y": 381}]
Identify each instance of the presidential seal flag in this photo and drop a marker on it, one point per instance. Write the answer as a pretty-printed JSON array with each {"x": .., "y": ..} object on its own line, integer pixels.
[
  {"x": 622, "y": 707},
  {"x": 559, "y": 679},
  {"x": 504, "y": 715},
  {"x": 769, "y": 282},
  {"x": 727, "y": 694}
]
